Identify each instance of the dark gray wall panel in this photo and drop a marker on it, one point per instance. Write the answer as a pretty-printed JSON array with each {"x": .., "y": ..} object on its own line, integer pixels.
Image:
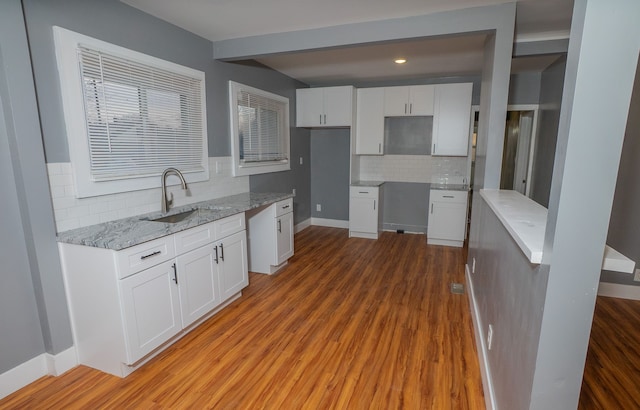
[
  {"x": 624, "y": 235},
  {"x": 406, "y": 206},
  {"x": 330, "y": 173},
  {"x": 545, "y": 149},
  {"x": 524, "y": 88}
]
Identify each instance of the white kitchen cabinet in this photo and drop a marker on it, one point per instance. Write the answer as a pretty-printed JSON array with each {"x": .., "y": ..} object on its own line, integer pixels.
[
  {"x": 126, "y": 305},
  {"x": 447, "y": 222},
  {"x": 414, "y": 100},
  {"x": 365, "y": 211},
  {"x": 324, "y": 106},
  {"x": 451, "y": 119},
  {"x": 270, "y": 230},
  {"x": 370, "y": 121}
]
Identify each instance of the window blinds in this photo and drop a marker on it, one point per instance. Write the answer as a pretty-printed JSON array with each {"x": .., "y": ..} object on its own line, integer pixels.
[
  {"x": 260, "y": 127},
  {"x": 140, "y": 119}
]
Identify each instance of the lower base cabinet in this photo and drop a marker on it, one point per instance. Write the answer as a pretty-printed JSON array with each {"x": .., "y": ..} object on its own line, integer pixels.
[
  {"x": 447, "y": 224},
  {"x": 365, "y": 212},
  {"x": 125, "y": 305},
  {"x": 270, "y": 230}
]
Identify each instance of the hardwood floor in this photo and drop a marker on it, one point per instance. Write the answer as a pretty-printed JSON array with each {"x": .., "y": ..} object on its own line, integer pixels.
[
  {"x": 612, "y": 371},
  {"x": 348, "y": 324}
]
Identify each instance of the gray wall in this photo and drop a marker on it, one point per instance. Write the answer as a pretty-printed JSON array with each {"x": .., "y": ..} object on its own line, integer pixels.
[
  {"x": 624, "y": 235},
  {"x": 406, "y": 206},
  {"x": 545, "y": 150},
  {"x": 524, "y": 88},
  {"x": 330, "y": 173},
  {"x": 34, "y": 317}
]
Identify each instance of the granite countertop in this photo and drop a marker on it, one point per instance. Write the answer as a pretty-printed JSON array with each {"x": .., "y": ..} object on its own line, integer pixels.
[
  {"x": 367, "y": 183},
  {"x": 127, "y": 232},
  {"x": 449, "y": 187}
]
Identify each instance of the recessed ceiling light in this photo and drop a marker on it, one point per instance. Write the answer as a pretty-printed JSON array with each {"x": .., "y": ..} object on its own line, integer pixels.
[{"x": 400, "y": 60}]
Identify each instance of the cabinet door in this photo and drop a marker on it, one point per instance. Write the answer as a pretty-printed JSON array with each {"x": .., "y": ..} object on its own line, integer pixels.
[
  {"x": 284, "y": 237},
  {"x": 421, "y": 100},
  {"x": 451, "y": 119},
  {"x": 447, "y": 221},
  {"x": 363, "y": 215},
  {"x": 370, "y": 121},
  {"x": 150, "y": 309},
  {"x": 198, "y": 284},
  {"x": 309, "y": 107},
  {"x": 396, "y": 101},
  {"x": 233, "y": 271},
  {"x": 338, "y": 104}
]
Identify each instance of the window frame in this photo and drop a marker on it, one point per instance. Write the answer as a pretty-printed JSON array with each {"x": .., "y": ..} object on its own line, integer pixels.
[
  {"x": 263, "y": 167},
  {"x": 71, "y": 91}
]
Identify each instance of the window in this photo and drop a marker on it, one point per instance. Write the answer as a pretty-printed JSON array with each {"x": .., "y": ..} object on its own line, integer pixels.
[
  {"x": 259, "y": 130},
  {"x": 129, "y": 116}
]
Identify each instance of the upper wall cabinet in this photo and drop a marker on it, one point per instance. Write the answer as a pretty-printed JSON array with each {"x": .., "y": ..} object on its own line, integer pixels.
[
  {"x": 370, "y": 121},
  {"x": 451, "y": 119},
  {"x": 324, "y": 106},
  {"x": 411, "y": 100}
]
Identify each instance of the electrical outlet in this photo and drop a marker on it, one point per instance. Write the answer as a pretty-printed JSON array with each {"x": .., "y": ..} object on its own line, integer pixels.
[
  {"x": 489, "y": 337},
  {"x": 473, "y": 265},
  {"x": 636, "y": 277},
  {"x": 318, "y": 208},
  {"x": 294, "y": 192},
  {"x": 301, "y": 161}
]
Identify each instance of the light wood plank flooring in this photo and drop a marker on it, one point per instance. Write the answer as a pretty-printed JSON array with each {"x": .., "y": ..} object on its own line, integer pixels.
[{"x": 349, "y": 324}]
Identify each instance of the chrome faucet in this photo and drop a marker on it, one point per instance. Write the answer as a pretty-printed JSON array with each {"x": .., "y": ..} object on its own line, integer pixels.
[{"x": 167, "y": 202}]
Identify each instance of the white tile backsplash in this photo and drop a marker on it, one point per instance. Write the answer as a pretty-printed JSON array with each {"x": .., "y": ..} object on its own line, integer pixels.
[
  {"x": 71, "y": 212},
  {"x": 413, "y": 168}
]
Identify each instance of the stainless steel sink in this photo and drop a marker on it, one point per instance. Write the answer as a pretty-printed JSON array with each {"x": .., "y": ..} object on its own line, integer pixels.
[{"x": 175, "y": 217}]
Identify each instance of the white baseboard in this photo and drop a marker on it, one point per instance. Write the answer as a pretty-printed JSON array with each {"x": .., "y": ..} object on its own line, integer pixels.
[
  {"x": 485, "y": 371},
  {"x": 617, "y": 290},
  {"x": 302, "y": 225},
  {"x": 331, "y": 223},
  {"x": 32, "y": 370}
]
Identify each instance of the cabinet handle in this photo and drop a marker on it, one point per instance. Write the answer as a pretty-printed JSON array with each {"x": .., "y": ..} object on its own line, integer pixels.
[
  {"x": 175, "y": 273},
  {"x": 374, "y": 204},
  {"x": 285, "y": 207},
  {"x": 320, "y": 119},
  {"x": 431, "y": 208},
  {"x": 150, "y": 255},
  {"x": 279, "y": 226},
  {"x": 434, "y": 149},
  {"x": 379, "y": 148},
  {"x": 216, "y": 258},
  {"x": 410, "y": 108},
  {"x": 405, "y": 108},
  {"x": 363, "y": 192},
  {"x": 325, "y": 119},
  {"x": 221, "y": 252},
  {"x": 447, "y": 196}
]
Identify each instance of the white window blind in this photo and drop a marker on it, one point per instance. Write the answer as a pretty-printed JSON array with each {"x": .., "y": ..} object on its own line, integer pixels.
[
  {"x": 260, "y": 122},
  {"x": 259, "y": 130},
  {"x": 140, "y": 119}
]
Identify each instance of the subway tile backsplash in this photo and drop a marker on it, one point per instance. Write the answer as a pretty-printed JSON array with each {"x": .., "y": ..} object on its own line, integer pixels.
[
  {"x": 71, "y": 212},
  {"x": 413, "y": 168}
]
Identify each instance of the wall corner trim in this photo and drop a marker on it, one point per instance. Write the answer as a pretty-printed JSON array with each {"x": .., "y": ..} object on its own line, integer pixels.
[
  {"x": 331, "y": 223},
  {"x": 302, "y": 225},
  {"x": 30, "y": 371},
  {"x": 617, "y": 290}
]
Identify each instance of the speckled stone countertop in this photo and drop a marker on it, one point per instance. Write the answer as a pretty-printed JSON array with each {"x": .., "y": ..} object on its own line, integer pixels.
[
  {"x": 367, "y": 183},
  {"x": 127, "y": 232},
  {"x": 449, "y": 187}
]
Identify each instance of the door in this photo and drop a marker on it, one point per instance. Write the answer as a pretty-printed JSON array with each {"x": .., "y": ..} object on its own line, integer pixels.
[
  {"x": 233, "y": 270},
  {"x": 421, "y": 99},
  {"x": 516, "y": 151},
  {"x": 370, "y": 121},
  {"x": 396, "y": 101},
  {"x": 363, "y": 215},
  {"x": 151, "y": 309},
  {"x": 452, "y": 108},
  {"x": 284, "y": 237},
  {"x": 197, "y": 283},
  {"x": 309, "y": 107},
  {"x": 447, "y": 221},
  {"x": 338, "y": 106}
]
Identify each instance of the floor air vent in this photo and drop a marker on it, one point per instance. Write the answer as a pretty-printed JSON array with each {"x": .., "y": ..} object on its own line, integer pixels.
[{"x": 457, "y": 288}]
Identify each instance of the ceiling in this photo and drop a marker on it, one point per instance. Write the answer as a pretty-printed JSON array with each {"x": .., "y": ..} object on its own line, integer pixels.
[{"x": 459, "y": 55}]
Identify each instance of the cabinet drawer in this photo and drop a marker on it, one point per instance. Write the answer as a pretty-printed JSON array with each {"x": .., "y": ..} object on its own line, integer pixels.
[
  {"x": 194, "y": 238},
  {"x": 143, "y": 256},
  {"x": 448, "y": 196},
  {"x": 363, "y": 192},
  {"x": 228, "y": 226},
  {"x": 284, "y": 206}
]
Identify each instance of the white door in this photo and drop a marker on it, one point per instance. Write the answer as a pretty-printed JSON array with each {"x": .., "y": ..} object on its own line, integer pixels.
[
  {"x": 396, "y": 101},
  {"x": 522, "y": 153},
  {"x": 309, "y": 107},
  {"x": 452, "y": 108},
  {"x": 447, "y": 221},
  {"x": 421, "y": 99},
  {"x": 233, "y": 270},
  {"x": 363, "y": 215},
  {"x": 150, "y": 309},
  {"x": 370, "y": 121},
  {"x": 337, "y": 106},
  {"x": 198, "y": 284},
  {"x": 284, "y": 237}
]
